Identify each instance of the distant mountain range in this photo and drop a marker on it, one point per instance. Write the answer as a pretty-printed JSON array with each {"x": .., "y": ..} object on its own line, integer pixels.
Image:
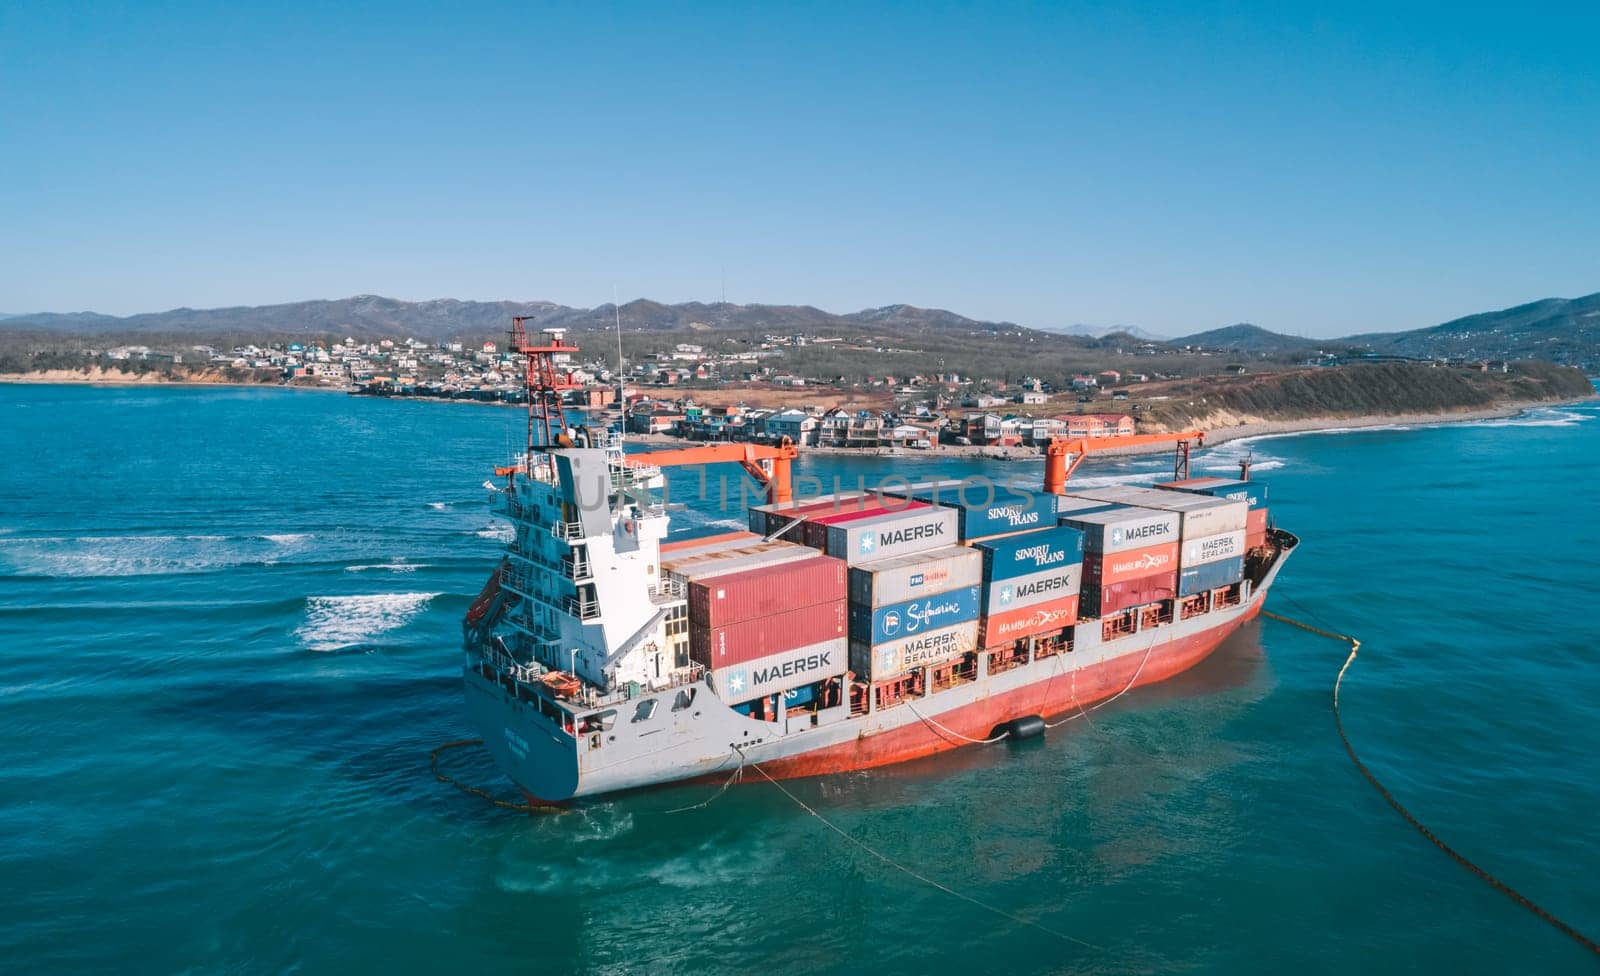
[
  {"x": 1556, "y": 329},
  {"x": 372, "y": 316}
]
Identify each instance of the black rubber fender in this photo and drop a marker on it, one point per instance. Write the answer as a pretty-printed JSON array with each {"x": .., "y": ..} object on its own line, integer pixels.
[{"x": 1027, "y": 727}]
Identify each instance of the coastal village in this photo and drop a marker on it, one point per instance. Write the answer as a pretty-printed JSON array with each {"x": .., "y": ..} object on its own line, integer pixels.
[{"x": 908, "y": 412}]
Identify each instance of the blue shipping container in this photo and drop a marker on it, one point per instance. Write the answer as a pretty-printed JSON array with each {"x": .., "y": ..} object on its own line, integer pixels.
[
  {"x": 1031, "y": 552},
  {"x": 913, "y": 617},
  {"x": 1252, "y": 491},
  {"x": 1209, "y": 576},
  {"x": 989, "y": 509}
]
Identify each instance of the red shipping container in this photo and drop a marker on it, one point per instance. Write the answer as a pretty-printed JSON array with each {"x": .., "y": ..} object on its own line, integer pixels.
[
  {"x": 768, "y": 590},
  {"x": 1255, "y": 529},
  {"x": 817, "y": 528},
  {"x": 726, "y": 539},
  {"x": 781, "y": 515},
  {"x": 759, "y": 637},
  {"x": 1001, "y": 629},
  {"x": 1104, "y": 569},
  {"x": 1132, "y": 593}
]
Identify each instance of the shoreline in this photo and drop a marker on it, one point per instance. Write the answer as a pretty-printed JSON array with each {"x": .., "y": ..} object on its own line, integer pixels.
[{"x": 1216, "y": 436}]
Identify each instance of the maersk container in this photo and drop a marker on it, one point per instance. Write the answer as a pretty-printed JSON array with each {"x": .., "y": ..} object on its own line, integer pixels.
[
  {"x": 740, "y": 682},
  {"x": 885, "y": 581},
  {"x": 759, "y": 637},
  {"x": 887, "y": 660},
  {"x": 1125, "y": 529},
  {"x": 816, "y": 527},
  {"x": 1209, "y": 576},
  {"x": 1253, "y": 492},
  {"x": 1001, "y": 629},
  {"x": 1101, "y": 569},
  {"x": 727, "y": 599},
  {"x": 1201, "y": 514},
  {"x": 1031, "y": 552},
  {"x": 1213, "y": 548},
  {"x": 919, "y": 616},
  {"x": 1004, "y": 596},
  {"x": 892, "y": 534},
  {"x": 1098, "y": 601}
]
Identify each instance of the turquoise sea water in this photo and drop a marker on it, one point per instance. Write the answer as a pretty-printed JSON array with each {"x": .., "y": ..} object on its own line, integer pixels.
[{"x": 229, "y": 638}]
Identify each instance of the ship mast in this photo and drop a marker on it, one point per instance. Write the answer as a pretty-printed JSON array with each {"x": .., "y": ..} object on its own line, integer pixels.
[{"x": 547, "y": 420}]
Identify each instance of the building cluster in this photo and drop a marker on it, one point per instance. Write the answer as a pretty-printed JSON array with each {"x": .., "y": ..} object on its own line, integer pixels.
[{"x": 843, "y": 427}]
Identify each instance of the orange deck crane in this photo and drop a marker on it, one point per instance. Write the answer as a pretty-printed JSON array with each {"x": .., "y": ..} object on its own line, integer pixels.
[
  {"x": 769, "y": 465},
  {"x": 1057, "y": 470}
]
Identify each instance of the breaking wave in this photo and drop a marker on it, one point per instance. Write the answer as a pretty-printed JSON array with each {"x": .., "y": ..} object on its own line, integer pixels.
[
  {"x": 336, "y": 622},
  {"x": 132, "y": 555},
  {"x": 499, "y": 533},
  {"x": 399, "y": 567}
]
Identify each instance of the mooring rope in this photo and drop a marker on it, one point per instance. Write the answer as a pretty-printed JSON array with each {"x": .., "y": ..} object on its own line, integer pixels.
[
  {"x": 909, "y": 872},
  {"x": 433, "y": 763},
  {"x": 737, "y": 775},
  {"x": 1101, "y": 704},
  {"x": 1457, "y": 856},
  {"x": 953, "y": 732}
]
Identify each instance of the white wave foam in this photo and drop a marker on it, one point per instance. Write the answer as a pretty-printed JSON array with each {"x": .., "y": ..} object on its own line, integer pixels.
[
  {"x": 499, "y": 533},
  {"x": 438, "y": 506},
  {"x": 127, "y": 555},
  {"x": 336, "y": 622},
  {"x": 400, "y": 567},
  {"x": 288, "y": 538}
]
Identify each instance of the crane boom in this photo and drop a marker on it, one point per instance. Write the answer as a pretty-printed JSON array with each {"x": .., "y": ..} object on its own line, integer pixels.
[
  {"x": 769, "y": 465},
  {"x": 1057, "y": 470}
]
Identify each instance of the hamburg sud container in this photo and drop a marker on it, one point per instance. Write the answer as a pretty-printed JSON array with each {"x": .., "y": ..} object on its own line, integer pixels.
[
  {"x": 892, "y": 534},
  {"x": 1130, "y": 558},
  {"x": 895, "y": 580},
  {"x": 1031, "y": 583},
  {"x": 988, "y": 509},
  {"x": 895, "y": 657},
  {"x": 754, "y": 629}
]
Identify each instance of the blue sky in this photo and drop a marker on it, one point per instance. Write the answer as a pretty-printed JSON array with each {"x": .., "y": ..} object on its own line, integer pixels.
[{"x": 1173, "y": 167}]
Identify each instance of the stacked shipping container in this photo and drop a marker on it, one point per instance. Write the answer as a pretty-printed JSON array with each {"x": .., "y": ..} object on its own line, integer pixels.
[
  {"x": 770, "y": 629},
  {"x": 1211, "y": 530},
  {"x": 987, "y": 510},
  {"x": 1130, "y": 558},
  {"x": 1030, "y": 584},
  {"x": 1252, "y": 492},
  {"x": 916, "y": 609}
]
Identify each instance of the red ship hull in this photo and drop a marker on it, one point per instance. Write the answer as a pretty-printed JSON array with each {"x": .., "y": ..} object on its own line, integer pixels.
[{"x": 1066, "y": 692}]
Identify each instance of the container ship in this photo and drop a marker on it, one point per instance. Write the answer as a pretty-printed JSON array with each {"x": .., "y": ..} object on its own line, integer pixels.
[{"x": 834, "y": 633}]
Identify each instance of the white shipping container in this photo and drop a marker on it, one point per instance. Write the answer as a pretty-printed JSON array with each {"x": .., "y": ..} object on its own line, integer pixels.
[
  {"x": 1125, "y": 529},
  {"x": 780, "y": 672},
  {"x": 893, "y": 534},
  {"x": 1202, "y": 515},
  {"x": 887, "y": 581},
  {"x": 894, "y": 657},
  {"x": 1212, "y": 548}
]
